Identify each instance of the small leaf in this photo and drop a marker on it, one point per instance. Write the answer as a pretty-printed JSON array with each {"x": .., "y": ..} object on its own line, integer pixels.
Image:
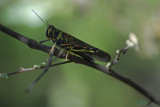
[
  {"x": 36, "y": 66},
  {"x": 133, "y": 38},
  {"x": 132, "y": 42},
  {"x": 4, "y": 75},
  {"x": 117, "y": 51},
  {"x": 43, "y": 63}
]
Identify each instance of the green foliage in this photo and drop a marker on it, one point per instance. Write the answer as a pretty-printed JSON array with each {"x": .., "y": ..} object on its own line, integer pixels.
[{"x": 4, "y": 75}]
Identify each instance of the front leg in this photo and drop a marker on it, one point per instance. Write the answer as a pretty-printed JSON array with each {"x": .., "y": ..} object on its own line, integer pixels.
[
  {"x": 69, "y": 49},
  {"x": 52, "y": 50}
]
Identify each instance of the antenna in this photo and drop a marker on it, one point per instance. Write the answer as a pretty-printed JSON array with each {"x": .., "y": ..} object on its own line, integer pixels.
[{"x": 41, "y": 18}]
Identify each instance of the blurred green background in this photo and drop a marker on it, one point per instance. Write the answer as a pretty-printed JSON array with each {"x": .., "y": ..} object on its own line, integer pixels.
[{"x": 105, "y": 24}]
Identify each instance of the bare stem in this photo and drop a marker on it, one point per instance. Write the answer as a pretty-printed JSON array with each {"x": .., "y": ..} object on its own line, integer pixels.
[{"x": 35, "y": 68}]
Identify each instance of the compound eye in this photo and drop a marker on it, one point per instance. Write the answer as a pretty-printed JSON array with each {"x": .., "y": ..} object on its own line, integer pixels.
[{"x": 49, "y": 32}]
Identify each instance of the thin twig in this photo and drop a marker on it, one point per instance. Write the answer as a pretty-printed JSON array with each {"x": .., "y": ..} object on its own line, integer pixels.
[{"x": 35, "y": 68}]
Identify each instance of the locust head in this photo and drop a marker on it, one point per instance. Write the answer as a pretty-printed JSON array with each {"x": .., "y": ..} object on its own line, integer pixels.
[{"x": 50, "y": 31}]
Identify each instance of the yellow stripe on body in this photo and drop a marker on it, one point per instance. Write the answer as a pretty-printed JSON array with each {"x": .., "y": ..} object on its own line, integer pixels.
[
  {"x": 60, "y": 35},
  {"x": 53, "y": 32},
  {"x": 82, "y": 50}
]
